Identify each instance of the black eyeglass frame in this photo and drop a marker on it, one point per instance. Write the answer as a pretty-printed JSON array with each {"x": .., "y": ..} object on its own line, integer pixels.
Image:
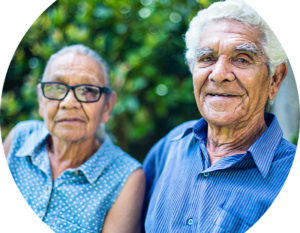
[{"x": 105, "y": 90}]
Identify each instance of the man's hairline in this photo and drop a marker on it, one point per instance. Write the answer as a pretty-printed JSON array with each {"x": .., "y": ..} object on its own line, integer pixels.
[{"x": 262, "y": 37}]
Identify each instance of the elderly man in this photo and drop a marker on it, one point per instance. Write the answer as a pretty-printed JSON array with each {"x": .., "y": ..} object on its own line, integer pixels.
[{"x": 222, "y": 172}]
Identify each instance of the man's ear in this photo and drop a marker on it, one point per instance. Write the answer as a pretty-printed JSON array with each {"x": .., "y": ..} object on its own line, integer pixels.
[
  {"x": 40, "y": 99},
  {"x": 110, "y": 102},
  {"x": 276, "y": 80}
]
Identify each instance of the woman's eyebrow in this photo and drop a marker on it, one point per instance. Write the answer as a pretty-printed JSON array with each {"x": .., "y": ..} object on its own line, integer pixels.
[{"x": 55, "y": 77}]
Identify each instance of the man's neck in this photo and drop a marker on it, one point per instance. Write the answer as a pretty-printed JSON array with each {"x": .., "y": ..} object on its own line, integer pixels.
[{"x": 224, "y": 141}]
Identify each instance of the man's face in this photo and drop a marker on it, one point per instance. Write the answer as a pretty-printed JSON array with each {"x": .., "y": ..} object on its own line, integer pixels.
[
  {"x": 69, "y": 119},
  {"x": 230, "y": 76}
]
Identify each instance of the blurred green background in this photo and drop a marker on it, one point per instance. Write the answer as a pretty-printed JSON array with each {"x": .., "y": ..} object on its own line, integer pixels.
[{"x": 142, "y": 42}]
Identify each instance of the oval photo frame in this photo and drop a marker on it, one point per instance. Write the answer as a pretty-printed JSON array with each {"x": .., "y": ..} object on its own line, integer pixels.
[{"x": 282, "y": 214}]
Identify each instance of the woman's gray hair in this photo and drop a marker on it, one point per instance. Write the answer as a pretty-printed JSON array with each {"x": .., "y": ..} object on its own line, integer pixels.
[
  {"x": 240, "y": 11},
  {"x": 81, "y": 49}
]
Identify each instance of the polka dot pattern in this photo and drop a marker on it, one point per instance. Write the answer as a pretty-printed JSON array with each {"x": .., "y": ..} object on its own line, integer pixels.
[{"x": 79, "y": 199}]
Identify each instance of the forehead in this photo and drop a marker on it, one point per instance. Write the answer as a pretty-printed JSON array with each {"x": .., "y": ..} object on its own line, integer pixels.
[
  {"x": 226, "y": 33},
  {"x": 76, "y": 66}
]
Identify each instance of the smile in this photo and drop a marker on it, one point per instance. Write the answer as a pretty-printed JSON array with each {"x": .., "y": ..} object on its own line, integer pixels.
[{"x": 222, "y": 95}]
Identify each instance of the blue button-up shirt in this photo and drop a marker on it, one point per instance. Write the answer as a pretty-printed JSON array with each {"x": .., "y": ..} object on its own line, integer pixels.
[
  {"x": 186, "y": 194},
  {"x": 79, "y": 199}
]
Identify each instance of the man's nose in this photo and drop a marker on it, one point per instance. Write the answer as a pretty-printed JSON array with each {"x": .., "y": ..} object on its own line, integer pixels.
[
  {"x": 222, "y": 71},
  {"x": 70, "y": 101}
]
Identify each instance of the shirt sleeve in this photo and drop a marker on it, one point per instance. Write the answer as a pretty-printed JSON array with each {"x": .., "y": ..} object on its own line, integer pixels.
[
  {"x": 153, "y": 166},
  {"x": 156, "y": 158}
]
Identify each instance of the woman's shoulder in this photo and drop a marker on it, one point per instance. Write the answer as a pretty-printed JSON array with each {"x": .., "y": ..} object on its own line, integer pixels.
[
  {"x": 125, "y": 162},
  {"x": 25, "y": 131},
  {"x": 121, "y": 158},
  {"x": 29, "y": 126}
]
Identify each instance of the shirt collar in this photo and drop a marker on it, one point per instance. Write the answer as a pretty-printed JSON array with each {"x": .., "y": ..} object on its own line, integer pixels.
[
  {"x": 200, "y": 130},
  {"x": 199, "y": 126},
  {"x": 91, "y": 169},
  {"x": 262, "y": 150},
  {"x": 98, "y": 163}
]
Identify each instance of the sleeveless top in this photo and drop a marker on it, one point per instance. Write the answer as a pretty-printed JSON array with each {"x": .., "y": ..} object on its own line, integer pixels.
[{"x": 79, "y": 199}]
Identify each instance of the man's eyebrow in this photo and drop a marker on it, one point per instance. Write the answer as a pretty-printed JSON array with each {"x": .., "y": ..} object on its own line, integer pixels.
[
  {"x": 203, "y": 51},
  {"x": 250, "y": 48}
]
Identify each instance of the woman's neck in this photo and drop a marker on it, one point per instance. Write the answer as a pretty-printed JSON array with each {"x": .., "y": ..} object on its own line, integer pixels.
[{"x": 67, "y": 154}]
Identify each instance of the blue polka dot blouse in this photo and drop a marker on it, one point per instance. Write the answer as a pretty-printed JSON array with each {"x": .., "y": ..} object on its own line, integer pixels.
[{"x": 79, "y": 199}]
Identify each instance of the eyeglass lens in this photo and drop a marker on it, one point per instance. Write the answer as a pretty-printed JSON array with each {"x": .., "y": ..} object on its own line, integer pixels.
[
  {"x": 84, "y": 93},
  {"x": 87, "y": 93},
  {"x": 54, "y": 90}
]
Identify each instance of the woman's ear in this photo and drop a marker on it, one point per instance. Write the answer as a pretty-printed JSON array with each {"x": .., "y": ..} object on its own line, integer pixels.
[
  {"x": 109, "y": 104},
  {"x": 276, "y": 80}
]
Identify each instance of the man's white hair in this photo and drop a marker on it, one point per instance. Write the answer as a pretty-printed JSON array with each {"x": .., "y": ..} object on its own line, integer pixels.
[
  {"x": 240, "y": 11},
  {"x": 81, "y": 49}
]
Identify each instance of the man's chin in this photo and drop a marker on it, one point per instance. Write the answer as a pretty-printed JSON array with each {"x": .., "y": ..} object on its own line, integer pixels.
[{"x": 221, "y": 119}]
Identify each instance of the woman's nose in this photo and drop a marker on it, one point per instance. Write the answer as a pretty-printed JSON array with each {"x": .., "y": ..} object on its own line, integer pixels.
[
  {"x": 70, "y": 101},
  {"x": 222, "y": 71}
]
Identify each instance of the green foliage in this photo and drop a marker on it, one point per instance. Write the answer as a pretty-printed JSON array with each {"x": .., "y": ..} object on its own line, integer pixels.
[{"x": 142, "y": 41}]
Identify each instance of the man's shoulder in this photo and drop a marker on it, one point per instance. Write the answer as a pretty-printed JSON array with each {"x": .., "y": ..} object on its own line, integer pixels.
[
  {"x": 160, "y": 150},
  {"x": 285, "y": 149},
  {"x": 176, "y": 133},
  {"x": 181, "y": 129}
]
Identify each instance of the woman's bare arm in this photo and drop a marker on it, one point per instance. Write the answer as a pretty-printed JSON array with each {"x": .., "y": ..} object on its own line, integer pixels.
[
  {"x": 6, "y": 143},
  {"x": 125, "y": 214}
]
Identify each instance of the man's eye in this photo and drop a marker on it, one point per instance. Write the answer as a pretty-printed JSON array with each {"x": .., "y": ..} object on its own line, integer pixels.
[
  {"x": 207, "y": 59},
  {"x": 242, "y": 61}
]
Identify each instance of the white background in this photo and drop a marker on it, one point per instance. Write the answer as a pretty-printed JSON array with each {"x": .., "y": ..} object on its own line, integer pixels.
[{"x": 16, "y": 16}]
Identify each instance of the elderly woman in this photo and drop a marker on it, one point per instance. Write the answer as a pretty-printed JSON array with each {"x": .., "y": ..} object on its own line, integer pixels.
[{"x": 72, "y": 179}]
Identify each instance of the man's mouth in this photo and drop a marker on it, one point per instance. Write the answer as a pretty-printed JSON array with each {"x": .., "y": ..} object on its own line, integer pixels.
[{"x": 222, "y": 95}]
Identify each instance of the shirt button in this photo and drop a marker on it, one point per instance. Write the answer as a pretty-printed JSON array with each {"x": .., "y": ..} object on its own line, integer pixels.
[
  {"x": 206, "y": 174},
  {"x": 190, "y": 221},
  {"x": 76, "y": 172}
]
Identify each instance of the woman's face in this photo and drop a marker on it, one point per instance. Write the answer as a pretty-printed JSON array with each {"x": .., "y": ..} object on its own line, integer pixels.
[{"x": 68, "y": 119}]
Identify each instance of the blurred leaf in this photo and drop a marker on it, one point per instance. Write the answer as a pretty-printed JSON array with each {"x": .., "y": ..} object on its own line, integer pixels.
[{"x": 141, "y": 40}]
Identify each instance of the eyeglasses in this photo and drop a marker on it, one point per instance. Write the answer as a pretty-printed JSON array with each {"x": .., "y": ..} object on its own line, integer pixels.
[{"x": 84, "y": 93}]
